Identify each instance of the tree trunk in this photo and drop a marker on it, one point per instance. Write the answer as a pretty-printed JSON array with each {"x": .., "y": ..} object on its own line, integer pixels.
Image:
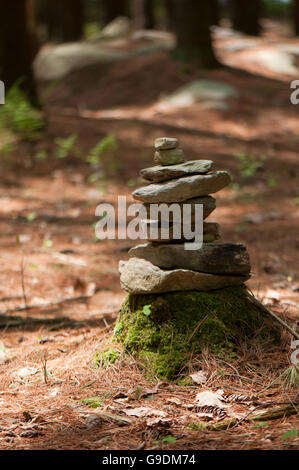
[
  {"x": 19, "y": 44},
  {"x": 65, "y": 19},
  {"x": 73, "y": 19},
  {"x": 214, "y": 12},
  {"x": 296, "y": 16},
  {"x": 169, "y": 14},
  {"x": 144, "y": 14},
  {"x": 192, "y": 21},
  {"x": 114, "y": 8},
  {"x": 246, "y": 15}
]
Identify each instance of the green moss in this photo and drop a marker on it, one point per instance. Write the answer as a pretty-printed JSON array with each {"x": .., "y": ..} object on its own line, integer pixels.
[
  {"x": 197, "y": 426},
  {"x": 92, "y": 402},
  {"x": 181, "y": 324},
  {"x": 185, "y": 382},
  {"x": 106, "y": 358}
]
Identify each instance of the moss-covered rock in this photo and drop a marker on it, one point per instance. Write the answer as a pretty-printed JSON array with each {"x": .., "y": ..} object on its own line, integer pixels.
[{"x": 166, "y": 330}]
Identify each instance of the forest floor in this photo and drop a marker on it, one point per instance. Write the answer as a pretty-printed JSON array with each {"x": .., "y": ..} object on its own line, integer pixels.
[{"x": 60, "y": 291}]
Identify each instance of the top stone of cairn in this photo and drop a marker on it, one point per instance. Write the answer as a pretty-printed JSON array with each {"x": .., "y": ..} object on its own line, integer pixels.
[
  {"x": 166, "y": 143},
  {"x": 167, "y": 152}
]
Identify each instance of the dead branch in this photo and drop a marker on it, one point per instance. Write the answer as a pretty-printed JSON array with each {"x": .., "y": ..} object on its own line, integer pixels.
[{"x": 266, "y": 416}]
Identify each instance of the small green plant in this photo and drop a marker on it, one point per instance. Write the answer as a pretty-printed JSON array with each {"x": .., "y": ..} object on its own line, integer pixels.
[
  {"x": 31, "y": 216},
  {"x": 19, "y": 116},
  {"x": 32, "y": 266},
  {"x": 272, "y": 182},
  {"x": 92, "y": 402},
  {"x": 132, "y": 183},
  {"x": 147, "y": 310},
  {"x": 91, "y": 29},
  {"x": 107, "y": 144},
  {"x": 65, "y": 146},
  {"x": 94, "y": 177},
  {"x": 249, "y": 163},
  {"x": 168, "y": 438},
  {"x": 48, "y": 243},
  {"x": 41, "y": 155},
  {"x": 197, "y": 426},
  {"x": 290, "y": 377},
  {"x": 262, "y": 424},
  {"x": 7, "y": 148},
  {"x": 290, "y": 434}
]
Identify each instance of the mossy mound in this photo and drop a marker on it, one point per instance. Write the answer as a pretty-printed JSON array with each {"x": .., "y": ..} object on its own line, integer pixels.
[{"x": 166, "y": 330}]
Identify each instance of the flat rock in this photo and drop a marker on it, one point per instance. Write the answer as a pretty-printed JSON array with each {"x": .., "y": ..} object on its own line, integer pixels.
[
  {"x": 208, "y": 203},
  {"x": 120, "y": 27},
  {"x": 169, "y": 172},
  {"x": 211, "y": 232},
  {"x": 169, "y": 157},
  {"x": 59, "y": 61},
  {"x": 198, "y": 90},
  {"x": 184, "y": 188},
  {"x": 212, "y": 258},
  {"x": 138, "y": 276},
  {"x": 166, "y": 143},
  {"x": 277, "y": 61}
]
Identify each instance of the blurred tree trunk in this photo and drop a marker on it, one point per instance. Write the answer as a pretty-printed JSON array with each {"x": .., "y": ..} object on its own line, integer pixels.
[
  {"x": 19, "y": 44},
  {"x": 114, "y": 8},
  {"x": 73, "y": 20},
  {"x": 192, "y": 21},
  {"x": 144, "y": 14},
  {"x": 214, "y": 11},
  {"x": 169, "y": 14},
  {"x": 246, "y": 16},
  {"x": 296, "y": 16},
  {"x": 65, "y": 19}
]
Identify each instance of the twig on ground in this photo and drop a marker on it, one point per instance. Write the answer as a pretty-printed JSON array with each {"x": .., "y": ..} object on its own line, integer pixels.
[
  {"x": 44, "y": 365},
  {"x": 244, "y": 378},
  {"x": 23, "y": 266},
  {"x": 232, "y": 367},
  {"x": 266, "y": 416}
]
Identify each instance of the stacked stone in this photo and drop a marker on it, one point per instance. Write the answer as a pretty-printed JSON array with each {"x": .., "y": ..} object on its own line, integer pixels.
[{"x": 165, "y": 265}]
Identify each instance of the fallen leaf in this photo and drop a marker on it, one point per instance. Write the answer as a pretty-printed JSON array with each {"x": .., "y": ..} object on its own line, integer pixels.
[
  {"x": 175, "y": 401},
  {"x": 143, "y": 411},
  {"x": 199, "y": 377},
  {"x": 25, "y": 372},
  {"x": 153, "y": 422},
  {"x": 208, "y": 398}
]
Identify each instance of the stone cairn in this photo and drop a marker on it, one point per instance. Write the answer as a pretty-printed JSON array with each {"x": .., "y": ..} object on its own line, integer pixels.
[{"x": 160, "y": 265}]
